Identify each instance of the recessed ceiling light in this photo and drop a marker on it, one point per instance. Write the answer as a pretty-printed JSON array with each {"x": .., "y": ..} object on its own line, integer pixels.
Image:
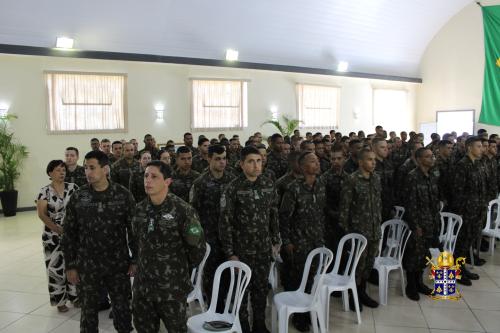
[
  {"x": 231, "y": 55},
  {"x": 343, "y": 66},
  {"x": 64, "y": 43}
]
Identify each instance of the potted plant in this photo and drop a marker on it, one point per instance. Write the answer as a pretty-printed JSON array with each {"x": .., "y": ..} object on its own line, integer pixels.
[
  {"x": 289, "y": 125},
  {"x": 12, "y": 155}
]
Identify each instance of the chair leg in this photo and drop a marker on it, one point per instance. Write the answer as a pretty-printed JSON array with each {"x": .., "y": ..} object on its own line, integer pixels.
[
  {"x": 326, "y": 308},
  {"x": 471, "y": 256},
  {"x": 492, "y": 245},
  {"x": 356, "y": 303},
  {"x": 314, "y": 320},
  {"x": 345, "y": 298},
  {"x": 383, "y": 284},
  {"x": 274, "y": 318},
  {"x": 283, "y": 320},
  {"x": 403, "y": 282}
]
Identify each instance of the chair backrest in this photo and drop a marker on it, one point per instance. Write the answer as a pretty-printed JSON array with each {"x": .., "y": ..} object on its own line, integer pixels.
[
  {"x": 493, "y": 218},
  {"x": 399, "y": 212},
  {"x": 240, "y": 278},
  {"x": 322, "y": 258},
  {"x": 355, "y": 245},
  {"x": 450, "y": 227},
  {"x": 197, "y": 272},
  {"x": 396, "y": 233}
]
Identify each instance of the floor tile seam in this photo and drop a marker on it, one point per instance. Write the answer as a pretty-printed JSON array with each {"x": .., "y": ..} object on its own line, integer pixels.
[{"x": 4, "y": 327}]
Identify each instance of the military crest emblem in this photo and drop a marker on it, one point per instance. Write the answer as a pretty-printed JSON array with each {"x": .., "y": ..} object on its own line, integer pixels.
[{"x": 445, "y": 275}]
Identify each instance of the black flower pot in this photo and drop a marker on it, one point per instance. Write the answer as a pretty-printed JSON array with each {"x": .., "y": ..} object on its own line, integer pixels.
[{"x": 9, "y": 202}]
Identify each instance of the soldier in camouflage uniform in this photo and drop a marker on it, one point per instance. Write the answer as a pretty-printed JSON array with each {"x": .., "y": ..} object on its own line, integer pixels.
[
  {"x": 170, "y": 243},
  {"x": 275, "y": 160},
  {"x": 116, "y": 152},
  {"x": 183, "y": 177},
  {"x": 302, "y": 225},
  {"x": 334, "y": 180},
  {"x": 205, "y": 198},
  {"x": 248, "y": 229},
  {"x": 443, "y": 170},
  {"x": 122, "y": 170},
  {"x": 492, "y": 167},
  {"x": 469, "y": 201},
  {"x": 422, "y": 216},
  {"x": 97, "y": 227},
  {"x": 75, "y": 173},
  {"x": 402, "y": 173},
  {"x": 398, "y": 154},
  {"x": 200, "y": 161},
  {"x": 137, "y": 179},
  {"x": 294, "y": 173},
  {"x": 459, "y": 150},
  {"x": 266, "y": 171},
  {"x": 322, "y": 156},
  {"x": 385, "y": 171},
  {"x": 352, "y": 162},
  {"x": 188, "y": 142},
  {"x": 149, "y": 145},
  {"x": 361, "y": 212}
]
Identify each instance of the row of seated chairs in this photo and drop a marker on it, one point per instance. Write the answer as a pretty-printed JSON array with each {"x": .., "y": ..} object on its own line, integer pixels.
[{"x": 317, "y": 302}]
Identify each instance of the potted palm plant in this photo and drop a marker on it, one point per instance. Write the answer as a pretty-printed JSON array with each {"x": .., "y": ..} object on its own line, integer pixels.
[
  {"x": 12, "y": 155},
  {"x": 286, "y": 129}
]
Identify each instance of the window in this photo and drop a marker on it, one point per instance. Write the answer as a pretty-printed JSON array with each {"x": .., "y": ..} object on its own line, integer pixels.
[
  {"x": 390, "y": 109},
  {"x": 86, "y": 102},
  {"x": 318, "y": 106},
  {"x": 455, "y": 120},
  {"x": 219, "y": 104}
]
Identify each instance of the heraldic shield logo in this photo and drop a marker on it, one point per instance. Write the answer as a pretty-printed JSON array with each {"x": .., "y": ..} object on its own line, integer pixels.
[{"x": 445, "y": 276}]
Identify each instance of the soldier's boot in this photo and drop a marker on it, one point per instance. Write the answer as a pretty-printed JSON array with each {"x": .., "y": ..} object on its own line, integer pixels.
[
  {"x": 469, "y": 274},
  {"x": 421, "y": 287},
  {"x": 373, "y": 279},
  {"x": 411, "y": 286},
  {"x": 363, "y": 296},
  {"x": 465, "y": 280},
  {"x": 352, "y": 307}
]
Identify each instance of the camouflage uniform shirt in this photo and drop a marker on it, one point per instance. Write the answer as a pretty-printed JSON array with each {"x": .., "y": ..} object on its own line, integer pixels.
[
  {"x": 199, "y": 164},
  {"x": 122, "y": 170},
  {"x": 277, "y": 164},
  {"x": 181, "y": 183},
  {"x": 76, "y": 176}
]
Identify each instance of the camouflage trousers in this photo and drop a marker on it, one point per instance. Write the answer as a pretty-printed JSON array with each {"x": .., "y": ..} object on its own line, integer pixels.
[
  {"x": 470, "y": 232},
  {"x": 293, "y": 269},
  {"x": 367, "y": 259},
  {"x": 417, "y": 248},
  {"x": 118, "y": 287},
  {"x": 258, "y": 288},
  {"x": 148, "y": 311}
]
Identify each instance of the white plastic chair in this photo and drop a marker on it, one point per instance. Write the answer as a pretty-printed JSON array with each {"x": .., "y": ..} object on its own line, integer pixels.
[
  {"x": 273, "y": 273},
  {"x": 240, "y": 278},
  {"x": 336, "y": 281},
  {"x": 450, "y": 227},
  {"x": 196, "y": 280},
  {"x": 398, "y": 233},
  {"x": 399, "y": 212},
  {"x": 492, "y": 228},
  {"x": 299, "y": 301}
]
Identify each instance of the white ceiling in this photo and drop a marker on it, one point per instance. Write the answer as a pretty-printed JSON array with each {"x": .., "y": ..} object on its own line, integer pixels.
[{"x": 374, "y": 36}]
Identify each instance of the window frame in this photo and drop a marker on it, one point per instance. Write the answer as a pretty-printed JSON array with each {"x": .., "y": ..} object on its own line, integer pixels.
[
  {"x": 87, "y": 131},
  {"x": 401, "y": 89},
  {"x": 337, "y": 111},
  {"x": 243, "y": 100}
]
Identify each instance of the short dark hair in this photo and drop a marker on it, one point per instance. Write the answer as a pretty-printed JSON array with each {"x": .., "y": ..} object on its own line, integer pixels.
[
  {"x": 493, "y": 136},
  {"x": 202, "y": 141},
  {"x": 162, "y": 151},
  {"x": 481, "y": 131},
  {"x": 275, "y": 136},
  {"x": 186, "y": 134},
  {"x": 183, "y": 150},
  {"x": 74, "y": 149},
  {"x": 100, "y": 156},
  {"x": 302, "y": 157},
  {"x": 444, "y": 143},
  {"x": 293, "y": 157},
  {"x": 248, "y": 150},
  {"x": 304, "y": 143},
  {"x": 377, "y": 140},
  {"x": 165, "y": 169},
  {"x": 337, "y": 148},
  {"x": 492, "y": 141},
  {"x": 308, "y": 133},
  {"x": 261, "y": 146},
  {"x": 147, "y": 135},
  {"x": 353, "y": 142},
  {"x": 94, "y": 139},
  {"x": 363, "y": 153},
  {"x": 105, "y": 140},
  {"x": 216, "y": 149},
  {"x": 143, "y": 152},
  {"x": 54, "y": 164},
  {"x": 434, "y": 136},
  {"x": 420, "y": 152},
  {"x": 378, "y": 127},
  {"x": 470, "y": 140},
  {"x": 413, "y": 145},
  {"x": 116, "y": 143}
]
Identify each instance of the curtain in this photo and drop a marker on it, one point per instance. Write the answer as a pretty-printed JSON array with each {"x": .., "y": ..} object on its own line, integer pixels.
[{"x": 318, "y": 105}]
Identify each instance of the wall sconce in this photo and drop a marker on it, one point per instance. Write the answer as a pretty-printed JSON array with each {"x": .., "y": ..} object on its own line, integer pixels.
[
  {"x": 274, "y": 112},
  {"x": 159, "y": 110},
  {"x": 64, "y": 43}
]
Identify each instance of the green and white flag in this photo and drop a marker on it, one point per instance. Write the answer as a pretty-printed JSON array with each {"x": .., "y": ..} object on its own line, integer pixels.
[{"x": 490, "y": 110}]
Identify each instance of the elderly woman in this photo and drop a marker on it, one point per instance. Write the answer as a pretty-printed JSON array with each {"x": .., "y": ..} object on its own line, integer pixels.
[{"x": 51, "y": 208}]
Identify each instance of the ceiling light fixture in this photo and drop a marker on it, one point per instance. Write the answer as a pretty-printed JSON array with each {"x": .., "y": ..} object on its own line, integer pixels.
[
  {"x": 64, "y": 43},
  {"x": 159, "y": 109},
  {"x": 342, "y": 66},
  {"x": 231, "y": 55}
]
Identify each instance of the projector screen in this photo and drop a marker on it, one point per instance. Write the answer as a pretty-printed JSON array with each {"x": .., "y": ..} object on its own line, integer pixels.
[{"x": 455, "y": 120}]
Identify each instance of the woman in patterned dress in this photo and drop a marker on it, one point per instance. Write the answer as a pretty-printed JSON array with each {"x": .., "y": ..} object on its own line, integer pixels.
[{"x": 51, "y": 207}]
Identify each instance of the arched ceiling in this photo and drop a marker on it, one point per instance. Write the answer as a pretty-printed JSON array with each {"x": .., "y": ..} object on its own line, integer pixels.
[{"x": 375, "y": 36}]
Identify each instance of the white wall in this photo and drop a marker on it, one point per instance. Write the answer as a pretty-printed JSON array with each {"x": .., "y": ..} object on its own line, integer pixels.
[
  {"x": 452, "y": 68},
  {"x": 22, "y": 87}
]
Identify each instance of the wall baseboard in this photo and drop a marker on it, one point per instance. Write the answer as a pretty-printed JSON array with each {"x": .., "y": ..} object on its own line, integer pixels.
[{"x": 22, "y": 209}]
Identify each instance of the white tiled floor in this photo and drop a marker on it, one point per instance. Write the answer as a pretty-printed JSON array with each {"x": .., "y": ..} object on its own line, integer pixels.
[{"x": 25, "y": 308}]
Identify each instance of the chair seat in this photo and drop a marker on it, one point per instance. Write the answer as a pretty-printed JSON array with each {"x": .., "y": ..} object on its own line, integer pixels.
[
  {"x": 337, "y": 282},
  {"x": 195, "y": 323},
  {"x": 294, "y": 299},
  {"x": 491, "y": 233},
  {"x": 391, "y": 263}
]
